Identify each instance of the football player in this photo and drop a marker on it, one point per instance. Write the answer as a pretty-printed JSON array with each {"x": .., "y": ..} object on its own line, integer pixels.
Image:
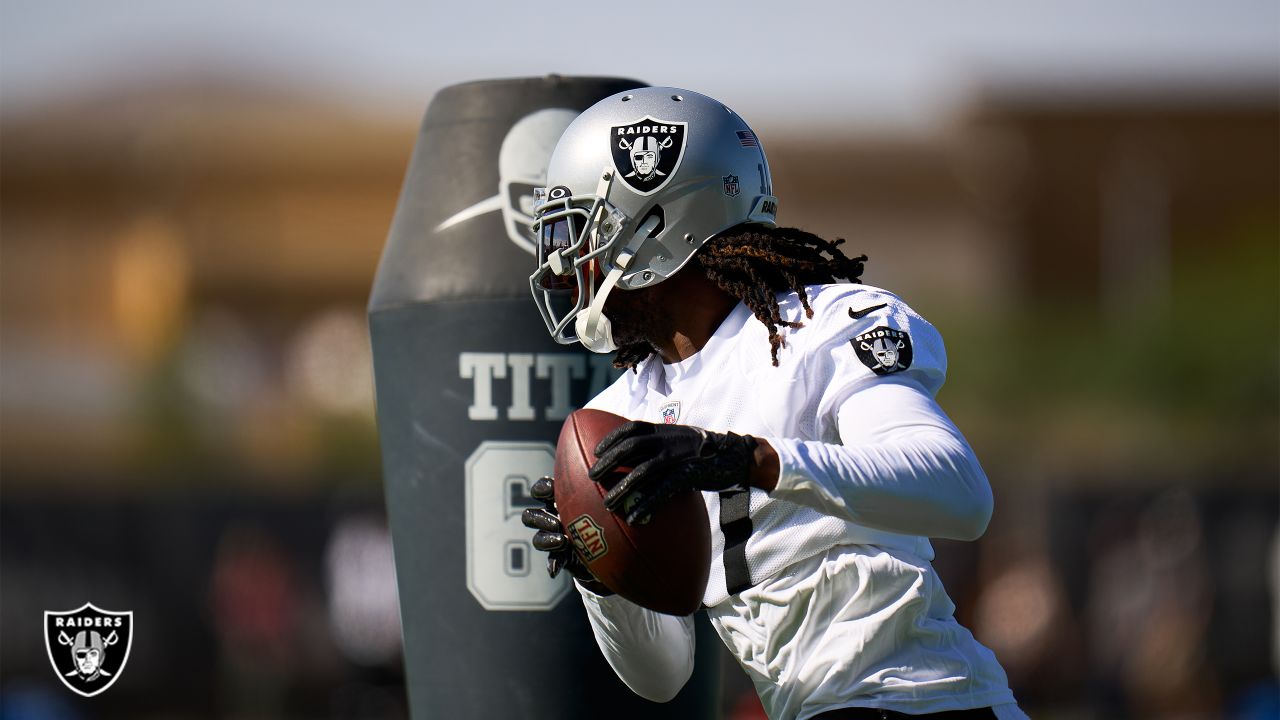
[{"x": 800, "y": 402}]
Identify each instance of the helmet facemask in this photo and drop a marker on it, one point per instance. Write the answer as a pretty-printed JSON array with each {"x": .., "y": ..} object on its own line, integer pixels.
[{"x": 579, "y": 262}]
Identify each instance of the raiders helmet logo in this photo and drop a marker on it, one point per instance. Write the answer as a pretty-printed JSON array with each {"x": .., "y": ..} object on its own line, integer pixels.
[
  {"x": 647, "y": 152},
  {"x": 884, "y": 350},
  {"x": 88, "y": 646}
]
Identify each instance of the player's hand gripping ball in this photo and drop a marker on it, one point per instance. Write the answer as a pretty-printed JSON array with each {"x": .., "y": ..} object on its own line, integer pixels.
[
  {"x": 550, "y": 538},
  {"x": 663, "y": 559},
  {"x": 667, "y": 460}
]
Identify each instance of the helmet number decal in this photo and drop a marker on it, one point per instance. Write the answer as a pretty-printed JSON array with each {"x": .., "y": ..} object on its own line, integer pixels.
[{"x": 647, "y": 152}]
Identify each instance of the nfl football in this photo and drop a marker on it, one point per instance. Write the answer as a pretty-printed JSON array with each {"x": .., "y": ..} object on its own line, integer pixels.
[{"x": 662, "y": 563}]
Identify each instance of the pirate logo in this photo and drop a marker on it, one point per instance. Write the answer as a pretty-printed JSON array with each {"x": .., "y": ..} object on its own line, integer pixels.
[
  {"x": 88, "y": 647},
  {"x": 731, "y": 185},
  {"x": 884, "y": 350},
  {"x": 647, "y": 152}
]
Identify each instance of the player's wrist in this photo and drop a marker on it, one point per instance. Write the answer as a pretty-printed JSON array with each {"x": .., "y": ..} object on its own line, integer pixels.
[{"x": 765, "y": 467}]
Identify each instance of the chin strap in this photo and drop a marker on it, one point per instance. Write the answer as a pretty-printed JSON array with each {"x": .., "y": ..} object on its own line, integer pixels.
[{"x": 594, "y": 330}]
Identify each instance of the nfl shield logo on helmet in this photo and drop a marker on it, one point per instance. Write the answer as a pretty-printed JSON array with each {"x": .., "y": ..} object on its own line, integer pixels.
[
  {"x": 88, "y": 646},
  {"x": 671, "y": 413},
  {"x": 731, "y": 185},
  {"x": 647, "y": 152}
]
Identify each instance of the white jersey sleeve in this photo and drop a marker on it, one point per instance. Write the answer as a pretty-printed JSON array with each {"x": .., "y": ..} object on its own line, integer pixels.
[
  {"x": 651, "y": 653},
  {"x": 902, "y": 467},
  {"x": 900, "y": 464}
]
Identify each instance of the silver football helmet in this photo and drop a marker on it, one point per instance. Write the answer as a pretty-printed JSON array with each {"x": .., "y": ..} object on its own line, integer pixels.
[{"x": 637, "y": 183}]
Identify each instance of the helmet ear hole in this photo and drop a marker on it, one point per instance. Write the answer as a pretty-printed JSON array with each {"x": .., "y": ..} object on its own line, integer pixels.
[{"x": 655, "y": 211}]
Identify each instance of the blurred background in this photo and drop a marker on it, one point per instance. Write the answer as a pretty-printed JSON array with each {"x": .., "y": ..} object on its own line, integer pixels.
[{"x": 1084, "y": 198}]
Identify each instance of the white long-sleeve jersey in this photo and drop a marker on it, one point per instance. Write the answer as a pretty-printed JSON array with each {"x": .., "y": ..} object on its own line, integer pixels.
[{"x": 822, "y": 588}]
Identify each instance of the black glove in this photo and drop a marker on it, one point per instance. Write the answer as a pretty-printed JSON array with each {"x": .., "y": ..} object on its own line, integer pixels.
[
  {"x": 551, "y": 539},
  {"x": 666, "y": 459}
]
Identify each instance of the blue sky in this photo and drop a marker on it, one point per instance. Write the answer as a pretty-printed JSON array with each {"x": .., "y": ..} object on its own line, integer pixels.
[{"x": 844, "y": 63}]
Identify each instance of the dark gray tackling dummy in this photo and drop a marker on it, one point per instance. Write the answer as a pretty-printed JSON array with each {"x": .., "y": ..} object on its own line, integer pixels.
[{"x": 471, "y": 394}]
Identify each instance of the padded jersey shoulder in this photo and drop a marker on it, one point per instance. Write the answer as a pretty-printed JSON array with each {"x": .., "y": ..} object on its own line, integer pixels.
[{"x": 861, "y": 333}]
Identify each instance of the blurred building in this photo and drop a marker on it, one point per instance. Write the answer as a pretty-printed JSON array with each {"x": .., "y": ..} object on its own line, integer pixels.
[
  {"x": 1102, "y": 192},
  {"x": 185, "y": 273}
]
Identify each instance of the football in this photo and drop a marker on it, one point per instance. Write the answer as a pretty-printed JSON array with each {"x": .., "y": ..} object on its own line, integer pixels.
[{"x": 661, "y": 564}]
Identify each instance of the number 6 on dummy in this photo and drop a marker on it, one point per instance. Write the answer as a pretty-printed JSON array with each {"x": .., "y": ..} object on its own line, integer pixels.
[{"x": 498, "y": 476}]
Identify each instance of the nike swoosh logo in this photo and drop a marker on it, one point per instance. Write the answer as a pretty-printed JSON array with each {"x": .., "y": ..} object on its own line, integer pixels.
[
  {"x": 483, "y": 207},
  {"x": 859, "y": 314}
]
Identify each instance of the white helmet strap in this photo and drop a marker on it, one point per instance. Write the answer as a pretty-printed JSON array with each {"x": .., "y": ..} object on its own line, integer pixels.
[{"x": 593, "y": 328}]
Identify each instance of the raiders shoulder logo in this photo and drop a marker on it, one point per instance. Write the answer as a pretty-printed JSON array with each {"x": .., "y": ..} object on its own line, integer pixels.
[
  {"x": 647, "y": 152},
  {"x": 883, "y": 349}
]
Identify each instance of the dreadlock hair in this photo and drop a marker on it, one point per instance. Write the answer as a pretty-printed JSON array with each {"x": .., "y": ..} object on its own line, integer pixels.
[{"x": 755, "y": 262}]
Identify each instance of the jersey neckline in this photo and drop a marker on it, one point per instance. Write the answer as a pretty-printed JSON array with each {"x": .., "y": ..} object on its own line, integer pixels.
[{"x": 660, "y": 373}]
